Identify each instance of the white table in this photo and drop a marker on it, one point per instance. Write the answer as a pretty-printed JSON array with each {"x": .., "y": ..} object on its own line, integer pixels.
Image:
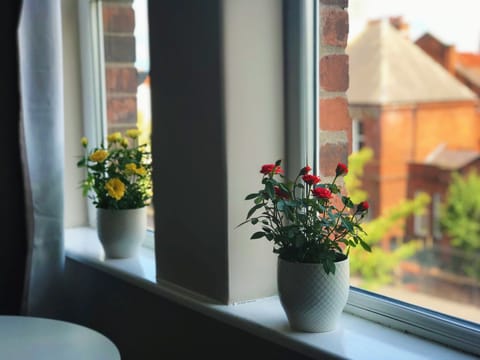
[{"x": 25, "y": 338}]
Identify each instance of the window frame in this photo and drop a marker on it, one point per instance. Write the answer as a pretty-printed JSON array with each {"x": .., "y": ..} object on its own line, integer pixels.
[{"x": 302, "y": 127}]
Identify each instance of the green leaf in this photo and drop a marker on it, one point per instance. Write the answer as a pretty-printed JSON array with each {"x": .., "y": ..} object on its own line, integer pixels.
[
  {"x": 257, "y": 235},
  {"x": 365, "y": 245},
  {"x": 254, "y": 221},
  {"x": 253, "y": 209},
  {"x": 347, "y": 202},
  {"x": 251, "y": 196},
  {"x": 270, "y": 190}
]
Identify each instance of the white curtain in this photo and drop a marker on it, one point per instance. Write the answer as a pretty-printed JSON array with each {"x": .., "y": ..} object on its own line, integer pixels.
[{"x": 40, "y": 52}]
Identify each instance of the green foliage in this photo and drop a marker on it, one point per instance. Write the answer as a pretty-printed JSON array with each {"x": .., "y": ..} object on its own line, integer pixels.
[
  {"x": 356, "y": 165},
  {"x": 301, "y": 219},
  {"x": 460, "y": 216},
  {"x": 117, "y": 176},
  {"x": 378, "y": 268}
]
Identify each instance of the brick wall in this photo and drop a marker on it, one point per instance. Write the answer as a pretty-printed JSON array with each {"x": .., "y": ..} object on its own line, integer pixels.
[
  {"x": 120, "y": 71},
  {"x": 334, "y": 120}
]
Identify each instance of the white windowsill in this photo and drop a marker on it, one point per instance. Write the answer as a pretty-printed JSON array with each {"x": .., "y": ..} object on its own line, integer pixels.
[{"x": 355, "y": 338}]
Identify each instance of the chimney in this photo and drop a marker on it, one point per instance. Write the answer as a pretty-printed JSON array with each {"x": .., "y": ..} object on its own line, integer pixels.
[{"x": 398, "y": 23}]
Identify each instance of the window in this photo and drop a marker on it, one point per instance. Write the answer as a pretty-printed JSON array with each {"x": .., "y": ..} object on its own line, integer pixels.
[
  {"x": 245, "y": 128},
  {"x": 116, "y": 71},
  {"x": 417, "y": 281},
  {"x": 358, "y": 135}
]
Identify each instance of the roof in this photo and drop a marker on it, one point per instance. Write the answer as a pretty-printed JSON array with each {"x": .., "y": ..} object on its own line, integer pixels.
[
  {"x": 387, "y": 68},
  {"x": 449, "y": 159}
]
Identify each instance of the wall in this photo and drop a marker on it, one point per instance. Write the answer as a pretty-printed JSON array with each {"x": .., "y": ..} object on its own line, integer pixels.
[
  {"x": 421, "y": 128},
  {"x": 145, "y": 326},
  {"x": 334, "y": 120},
  {"x": 120, "y": 72}
]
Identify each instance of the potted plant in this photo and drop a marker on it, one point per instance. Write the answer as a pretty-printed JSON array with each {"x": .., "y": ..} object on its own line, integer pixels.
[
  {"x": 312, "y": 226},
  {"x": 118, "y": 181}
]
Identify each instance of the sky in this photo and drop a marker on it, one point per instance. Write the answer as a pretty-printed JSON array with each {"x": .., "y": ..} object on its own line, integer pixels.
[
  {"x": 141, "y": 35},
  {"x": 452, "y": 22}
]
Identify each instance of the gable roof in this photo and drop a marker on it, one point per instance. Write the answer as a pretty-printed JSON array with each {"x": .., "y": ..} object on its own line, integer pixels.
[{"x": 386, "y": 68}]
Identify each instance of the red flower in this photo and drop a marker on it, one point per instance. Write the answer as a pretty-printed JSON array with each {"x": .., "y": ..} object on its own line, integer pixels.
[
  {"x": 341, "y": 169},
  {"x": 305, "y": 170},
  {"x": 363, "y": 206},
  {"x": 281, "y": 193},
  {"x": 271, "y": 168},
  {"x": 311, "y": 179},
  {"x": 322, "y": 193}
]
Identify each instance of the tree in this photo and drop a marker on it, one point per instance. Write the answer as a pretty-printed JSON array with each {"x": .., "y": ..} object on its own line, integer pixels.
[
  {"x": 378, "y": 267},
  {"x": 460, "y": 217}
]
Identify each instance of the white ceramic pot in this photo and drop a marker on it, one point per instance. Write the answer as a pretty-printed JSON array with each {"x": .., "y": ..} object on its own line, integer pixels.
[
  {"x": 311, "y": 299},
  {"x": 121, "y": 232}
]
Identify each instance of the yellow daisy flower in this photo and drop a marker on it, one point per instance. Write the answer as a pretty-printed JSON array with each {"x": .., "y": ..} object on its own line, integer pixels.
[
  {"x": 114, "y": 137},
  {"x": 84, "y": 141},
  {"x": 115, "y": 188},
  {"x": 99, "y": 155},
  {"x": 133, "y": 133}
]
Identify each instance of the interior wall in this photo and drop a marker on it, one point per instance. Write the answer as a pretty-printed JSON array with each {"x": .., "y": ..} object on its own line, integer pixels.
[{"x": 146, "y": 326}]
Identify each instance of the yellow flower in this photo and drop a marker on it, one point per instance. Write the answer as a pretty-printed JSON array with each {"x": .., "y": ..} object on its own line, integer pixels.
[
  {"x": 133, "y": 133},
  {"x": 124, "y": 143},
  {"x": 84, "y": 141},
  {"x": 115, "y": 188},
  {"x": 114, "y": 137},
  {"x": 141, "y": 171},
  {"x": 99, "y": 155},
  {"x": 131, "y": 168}
]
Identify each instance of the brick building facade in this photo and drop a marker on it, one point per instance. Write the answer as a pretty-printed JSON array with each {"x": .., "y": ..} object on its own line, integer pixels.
[{"x": 408, "y": 106}]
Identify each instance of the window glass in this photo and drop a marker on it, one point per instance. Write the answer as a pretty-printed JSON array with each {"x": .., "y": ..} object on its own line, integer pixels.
[{"x": 413, "y": 90}]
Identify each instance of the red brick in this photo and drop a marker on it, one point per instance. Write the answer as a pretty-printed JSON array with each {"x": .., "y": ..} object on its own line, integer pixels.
[
  {"x": 341, "y": 3},
  {"x": 334, "y": 27},
  {"x": 119, "y": 48},
  {"x": 334, "y": 114},
  {"x": 331, "y": 155},
  {"x": 122, "y": 110},
  {"x": 334, "y": 72},
  {"x": 121, "y": 79},
  {"x": 119, "y": 19}
]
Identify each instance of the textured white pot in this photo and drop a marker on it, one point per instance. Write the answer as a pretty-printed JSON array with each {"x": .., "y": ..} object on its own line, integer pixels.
[
  {"x": 121, "y": 232},
  {"x": 311, "y": 299}
]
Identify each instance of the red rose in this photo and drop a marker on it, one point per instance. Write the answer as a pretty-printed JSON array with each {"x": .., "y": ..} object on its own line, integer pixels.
[
  {"x": 363, "y": 206},
  {"x": 271, "y": 168},
  {"x": 322, "y": 193},
  {"x": 341, "y": 169},
  {"x": 281, "y": 193},
  {"x": 305, "y": 170},
  {"x": 311, "y": 179}
]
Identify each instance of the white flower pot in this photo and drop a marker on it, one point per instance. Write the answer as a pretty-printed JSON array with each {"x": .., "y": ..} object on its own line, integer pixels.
[
  {"x": 311, "y": 299},
  {"x": 121, "y": 232}
]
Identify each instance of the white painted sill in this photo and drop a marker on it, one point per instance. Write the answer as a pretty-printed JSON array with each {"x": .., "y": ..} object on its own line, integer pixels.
[{"x": 355, "y": 338}]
